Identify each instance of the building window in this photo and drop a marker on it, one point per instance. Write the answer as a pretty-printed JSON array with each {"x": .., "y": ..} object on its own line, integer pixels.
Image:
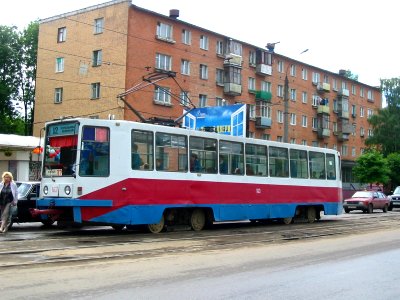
[
  {"x": 315, "y": 100},
  {"x": 344, "y": 150},
  {"x": 266, "y": 86},
  {"x": 354, "y": 130},
  {"x": 252, "y": 84},
  {"x": 304, "y": 74},
  {"x": 220, "y": 101},
  {"x": 304, "y": 121},
  {"x": 163, "y": 62},
  {"x": 252, "y": 111},
  {"x": 362, "y": 92},
  {"x": 362, "y": 112},
  {"x": 233, "y": 75},
  {"x": 304, "y": 97},
  {"x": 353, "y": 110},
  {"x": 279, "y": 138},
  {"x": 265, "y": 110},
  {"x": 62, "y": 34},
  {"x": 314, "y": 123},
  {"x": 293, "y": 141},
  {"x": 326, "y": 78},
  {"x": 334, "y": 84},
  {"x": 220, "y": 76},
  {"x": 293, "y": 70},
  {"x": 292, "y": 119},
  {"x": 266, "y": 136},
  {"x": 279, "y": 116},
  {"x": 185, "y": 67},
  {"x": 164, "y": 31},
  {"x": 220, "y": 48},
  {"x": 362, "y": 131},
  {"x": 58, "y": 95},
  {"x": 353, "y": 89},
  {"x": 370, "y": 133},
  {"x": 370, "y": 95},
  {"x": 97, "y": 58},
  {"x": 184, "y": 98},
  {"x": 370, "y": 112},
  {"x": 334, "y": 126},
  {"x": 315, "y": 77},
  {"x": 59, "y": 64},
  {"x": 280, "y": 91},
  {"x": 203, "y": 72},
  {"x": 293, "y": 94},
  {"x": 162, "y": 95},
  {"x": 186, "y": 37},
  {"x": 203, "y": 42},
  {"x": 252, "y": 58},
  {"x": 95, "y": 90},
  {"x": 202, "y": 100},
  {"x": 304, "y": 142},
  {"x": 280, "y": 66},
  {"x": 98, "y": 25}
]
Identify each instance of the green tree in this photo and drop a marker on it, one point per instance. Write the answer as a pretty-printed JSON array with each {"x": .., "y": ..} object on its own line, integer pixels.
[
  {"x": 371, "y": 167},
  {"x": 27, "y": 75},
  {"x": 393, "y": 160},
  {"x": 385, "y": 123},
  {"x": 10, "y": 64},
  {"x": 350, "y": 75}
]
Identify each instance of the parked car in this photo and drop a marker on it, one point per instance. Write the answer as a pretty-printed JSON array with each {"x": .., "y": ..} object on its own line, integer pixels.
[
  {"x": 28, "y": 192},
  {"x": 367, "y": 201},
  {"x": 395, "y": 199}
]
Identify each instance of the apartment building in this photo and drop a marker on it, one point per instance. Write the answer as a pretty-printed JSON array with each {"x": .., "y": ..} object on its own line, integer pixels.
[{"x": 88, "y": 57}]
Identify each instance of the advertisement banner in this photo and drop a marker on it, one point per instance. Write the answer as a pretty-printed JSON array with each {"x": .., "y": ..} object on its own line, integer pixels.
[{"x": 228, "y": 119}]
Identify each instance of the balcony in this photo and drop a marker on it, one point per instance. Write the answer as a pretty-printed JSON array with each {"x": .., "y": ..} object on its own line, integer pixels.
[
  {"x": 343, "y": 93},
  {"x": 232, "y": 89},
  {"x": 263, "y": 122},
  {"x": 343, "y": 114},
  {"x": 233, "y": 60},
  {"x": 263, "y": 96},
  {"x": 323, "y": 109},
  {"x": 262, "y": 69},
  {"x": 324, "y": 133},
  {"x": 343, "y": 136},
  {"x": 346, "y": 128}
]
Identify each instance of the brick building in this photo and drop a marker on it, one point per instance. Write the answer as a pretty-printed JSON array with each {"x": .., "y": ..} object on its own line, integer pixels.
[{"x": 87, "y": 57}]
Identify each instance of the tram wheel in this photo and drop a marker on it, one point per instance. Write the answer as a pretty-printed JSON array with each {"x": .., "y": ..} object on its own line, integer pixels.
[
  {"x": 311, "y": 214},
  {"x": 287, "y": 221},
  {"x": 157, "y": 227},
  {"x": 197, "y": 219}
]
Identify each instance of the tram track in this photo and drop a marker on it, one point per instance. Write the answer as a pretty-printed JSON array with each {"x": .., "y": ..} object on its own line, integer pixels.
[{"x": 95, "y": 245}]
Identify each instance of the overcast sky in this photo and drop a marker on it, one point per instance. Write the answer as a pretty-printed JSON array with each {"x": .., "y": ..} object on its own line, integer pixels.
[{"x": 343, "y": 34}]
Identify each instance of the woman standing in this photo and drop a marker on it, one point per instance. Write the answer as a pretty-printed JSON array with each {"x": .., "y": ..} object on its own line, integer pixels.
[{"x": 8, "y": 198}]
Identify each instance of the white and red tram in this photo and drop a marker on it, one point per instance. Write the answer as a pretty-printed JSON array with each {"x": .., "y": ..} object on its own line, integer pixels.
[{"x": 127, "y": 173}]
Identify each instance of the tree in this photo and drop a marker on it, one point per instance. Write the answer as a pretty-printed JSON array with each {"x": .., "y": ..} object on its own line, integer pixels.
[
  {"x": 350, "y": 75},
  {"x": 385, "y": 124},
  {"x": 371, "y": 167},
  {"x": 27, "y": 75},
  {"x": 10, "y": 63},
  {"x": 393, "y": 160}
]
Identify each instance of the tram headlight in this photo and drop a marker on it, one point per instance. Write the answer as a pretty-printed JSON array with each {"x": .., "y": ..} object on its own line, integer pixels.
[
  {"x": 67, "y": 190},
  {"x": 45, "y": 190}
]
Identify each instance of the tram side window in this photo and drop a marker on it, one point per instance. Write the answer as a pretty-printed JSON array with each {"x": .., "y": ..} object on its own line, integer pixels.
[
  {"x": 317, "y": 165},
  {"x": 95, "y": 152},
  {"x": 278, "y": 162},
  {"x": 298, "y": 163},
  {"x": 171, "y": 152},
  {"x": 142, "y": 150},
  {"x": 203, "y": 155},
  {"x": 231, "y": 160},
  {"x": 256, "y": 160},
  {"x": 330, "y": 166}
]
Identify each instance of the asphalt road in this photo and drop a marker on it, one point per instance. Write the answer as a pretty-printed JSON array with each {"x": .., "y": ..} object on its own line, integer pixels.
[{"x": 351, "y": 256}]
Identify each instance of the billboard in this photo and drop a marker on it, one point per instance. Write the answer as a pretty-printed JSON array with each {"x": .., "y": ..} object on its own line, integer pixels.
[{"x": 228, "y": 119}]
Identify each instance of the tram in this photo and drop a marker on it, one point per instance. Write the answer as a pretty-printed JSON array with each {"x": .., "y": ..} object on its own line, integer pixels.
[{"x": 124, "y": 173}]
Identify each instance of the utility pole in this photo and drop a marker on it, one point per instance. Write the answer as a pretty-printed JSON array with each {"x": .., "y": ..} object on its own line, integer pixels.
[{"x": 286, "y": 108}]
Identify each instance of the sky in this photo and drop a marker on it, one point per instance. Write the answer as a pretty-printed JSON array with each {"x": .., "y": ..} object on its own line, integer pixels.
[{"x": 342, "y": 34}]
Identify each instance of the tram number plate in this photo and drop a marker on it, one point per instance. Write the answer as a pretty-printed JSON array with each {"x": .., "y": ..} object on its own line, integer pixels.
[{"x": 352, "y": 206}]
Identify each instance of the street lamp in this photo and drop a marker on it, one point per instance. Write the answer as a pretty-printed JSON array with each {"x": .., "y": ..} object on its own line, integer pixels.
[{"x": 286, "y": 105}]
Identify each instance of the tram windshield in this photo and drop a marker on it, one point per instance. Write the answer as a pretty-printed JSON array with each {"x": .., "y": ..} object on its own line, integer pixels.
[{"x": 60, "y": 149}]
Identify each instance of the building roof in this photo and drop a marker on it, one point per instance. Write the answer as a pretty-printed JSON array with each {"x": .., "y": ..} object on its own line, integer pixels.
[{"x": 8, "y": 141}]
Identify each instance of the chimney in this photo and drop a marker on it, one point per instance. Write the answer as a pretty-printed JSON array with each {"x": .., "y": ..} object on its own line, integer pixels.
[
  {"x": 174, "y": 13},
  {"x": 342, "y": 72}
]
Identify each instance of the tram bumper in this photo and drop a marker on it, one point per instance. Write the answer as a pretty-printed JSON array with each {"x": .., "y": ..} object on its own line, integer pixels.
[{"x": 57, "y": 208}]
